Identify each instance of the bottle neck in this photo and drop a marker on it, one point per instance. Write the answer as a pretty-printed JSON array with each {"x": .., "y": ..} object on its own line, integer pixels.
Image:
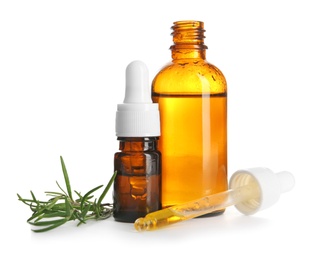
[
  {"x": 188, "y": 39},
  {"x": 137, "y": 144}
]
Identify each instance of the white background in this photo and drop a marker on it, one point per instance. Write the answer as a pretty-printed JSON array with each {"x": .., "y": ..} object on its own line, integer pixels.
[{"x": 62, "y": 69}]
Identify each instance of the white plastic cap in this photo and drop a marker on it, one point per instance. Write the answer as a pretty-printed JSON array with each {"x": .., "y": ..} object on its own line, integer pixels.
[
  {"x": 138, "y": 116},
  {"x": 271, "y": 186}
]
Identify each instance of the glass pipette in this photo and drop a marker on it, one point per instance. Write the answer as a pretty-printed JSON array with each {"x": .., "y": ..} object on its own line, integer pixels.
[{"x": 250, "y": 190}]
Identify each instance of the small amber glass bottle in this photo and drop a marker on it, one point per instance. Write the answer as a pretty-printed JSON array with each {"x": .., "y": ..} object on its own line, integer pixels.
[
  {"x": 137, "y": 185},
  {"x": 191, "y": 94}
]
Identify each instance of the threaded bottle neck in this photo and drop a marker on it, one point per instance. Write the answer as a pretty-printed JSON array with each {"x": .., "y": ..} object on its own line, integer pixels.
[
  {"x": 138, "y": 144},
  {"x": 188, "y": 39}
]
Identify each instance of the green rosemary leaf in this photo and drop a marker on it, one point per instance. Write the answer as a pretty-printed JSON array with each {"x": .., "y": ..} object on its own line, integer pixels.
[
  {"x": 85, "y": 210},
  {"x": 86, "y": 196},
  {"x": 66, "y": 177},
  {"x": 50, "y": 227},
  {"x": 52, "y": 202},
  {"x": 33, "y": 208},
  {"x": 87, "y": 199},
  {"x": 106, "y": 189},
  {"x": 53, "y": 193},
  {"x": 59, "y": 207},
  {"x": 60, "y": 214},
  {"x": 46, "y": 223},
  {"x": 65, "y": 193},
  {"x": 37, "y": 214},
  {"x": 68, "y": 207},
  {"x": 33, "y": 196},
  {"x": 25, "y": 201},
  {"x": 79, "y": 195},
  {"x": 96, "y": 209},
  {"x": 81, "y": 220}
]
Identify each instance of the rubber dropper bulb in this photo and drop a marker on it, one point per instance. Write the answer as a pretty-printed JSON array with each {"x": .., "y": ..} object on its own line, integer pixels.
[
  {"x": 137, "y": 90},
  {"x": 270, "y": 184}
]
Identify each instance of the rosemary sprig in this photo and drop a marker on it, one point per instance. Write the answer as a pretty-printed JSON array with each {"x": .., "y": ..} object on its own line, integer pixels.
[{"x": 62, "y": 208}]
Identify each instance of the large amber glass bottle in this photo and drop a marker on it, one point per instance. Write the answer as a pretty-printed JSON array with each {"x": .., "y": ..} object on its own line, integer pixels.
[{"x": 192, "y": 98}]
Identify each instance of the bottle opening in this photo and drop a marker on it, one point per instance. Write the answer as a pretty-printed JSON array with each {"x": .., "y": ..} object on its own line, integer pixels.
[{"x": 188, "y": 34}]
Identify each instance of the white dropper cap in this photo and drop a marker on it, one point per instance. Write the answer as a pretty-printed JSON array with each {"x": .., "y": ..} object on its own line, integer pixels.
[
  {"x": 271, "y": 185},
  {"x": 138, "y": 116}
]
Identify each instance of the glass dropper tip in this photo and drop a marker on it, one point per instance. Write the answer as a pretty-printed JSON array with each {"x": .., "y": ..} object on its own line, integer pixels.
[{"x": 142, "y": 224}]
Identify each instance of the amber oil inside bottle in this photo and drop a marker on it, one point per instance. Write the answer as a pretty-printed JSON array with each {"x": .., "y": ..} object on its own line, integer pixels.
[
  {"x": 192, "y": 98},
  {"x": 137, "y": 186}
]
